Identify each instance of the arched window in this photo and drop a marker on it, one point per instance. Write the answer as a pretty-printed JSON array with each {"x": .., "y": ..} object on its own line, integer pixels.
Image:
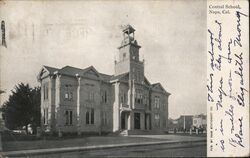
[{"x": 87, "y": 117}]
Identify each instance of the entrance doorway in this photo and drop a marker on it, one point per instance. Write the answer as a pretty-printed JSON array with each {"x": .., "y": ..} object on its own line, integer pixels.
[
  {"x": 124, "y": 120},
  {"x": 137, "y": 121}
]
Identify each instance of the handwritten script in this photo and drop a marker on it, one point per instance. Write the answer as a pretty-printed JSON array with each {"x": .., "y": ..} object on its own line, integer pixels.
[{"x": 227, "y": 82}]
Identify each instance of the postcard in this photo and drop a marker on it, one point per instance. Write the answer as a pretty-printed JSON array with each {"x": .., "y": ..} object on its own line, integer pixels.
[{"x": 123, "y": 78}]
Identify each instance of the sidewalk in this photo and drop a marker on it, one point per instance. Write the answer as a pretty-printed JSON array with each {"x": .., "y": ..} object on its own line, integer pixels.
[{"x": 162, "y": 140}]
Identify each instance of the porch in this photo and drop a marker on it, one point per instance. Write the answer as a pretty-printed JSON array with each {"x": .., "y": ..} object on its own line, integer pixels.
[{"x": 135, "y": 120}]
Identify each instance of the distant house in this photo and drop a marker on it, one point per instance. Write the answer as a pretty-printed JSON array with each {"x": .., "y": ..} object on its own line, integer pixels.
[
  {"x": 184, "y": 122},
  {"x": 85, "y": 100},
  {"x": 200, "y": 121}
]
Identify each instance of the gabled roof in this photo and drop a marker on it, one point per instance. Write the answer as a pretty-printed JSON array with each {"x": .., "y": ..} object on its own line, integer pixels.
[
  {"x": 45, "y": 69},
  {"x": 69, "y": 70},
  {"x": 73, "y": 71},
  {"x": 51, "y": 69},
  {"x": 158, "y": 86},
  {"x": 90, "y": 71}
]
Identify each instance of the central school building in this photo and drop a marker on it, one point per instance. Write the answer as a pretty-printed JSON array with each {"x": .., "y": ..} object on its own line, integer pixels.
[{"x": 85, "y": 100}]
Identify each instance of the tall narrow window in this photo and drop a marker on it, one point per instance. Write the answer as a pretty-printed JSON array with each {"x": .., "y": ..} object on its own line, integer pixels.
[
  {"x": 105, "y": 96},
  {"x": 144, "y": 99},
  {"x": 157, "y": 102},
  {"x": 102, "y": 93},
  {"x": 67, "y": 117},
  {"x": 92, "y": 116},
  {"x": 70, "y": 117},
  {"x": 104, "y": 118},
  {"x": 139, "y": 97},
  {"x": 123, "y": 97},
  {"x": 70, "y": 95},
  {"x": 44, "y": 116},
  {"x": 87, "y": 117},
  {"x": 45, "y": 112},
  {"x": 91, "y": 95}
]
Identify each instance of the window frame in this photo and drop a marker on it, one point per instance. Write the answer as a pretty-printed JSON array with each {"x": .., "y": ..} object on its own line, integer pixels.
[
  {"x": 157, "y": 102},
  {"x": 68, "y": 117},
  {"x": 90, "y": 116}
]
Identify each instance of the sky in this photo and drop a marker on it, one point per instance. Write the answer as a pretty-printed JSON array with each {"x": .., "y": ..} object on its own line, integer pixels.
[{"x": 83, "y": 33}]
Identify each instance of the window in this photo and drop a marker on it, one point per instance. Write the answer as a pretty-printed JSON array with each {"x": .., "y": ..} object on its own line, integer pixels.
[
  {"x": 123, "y": 97},
  {"x": 45, "y": 91},
  {"x": 45, "y": 119},
  {"x": 139, "y": 97},
  {"x": 157, "y": 102},
  {"x": 145, "y": 100},
  {"x": 90, "y": 116},
  {"x": 91, "y": 96},
  {"x": 68, "y": 117},
  {"x": 104, "y": 118},
  {"x": 71, "y": 117},
  {"x": 68, "y": 96},
  {"x": 87, "y": 117},
  {"x": 104, "y": 97},
  {"x": 157, "y": 120}
]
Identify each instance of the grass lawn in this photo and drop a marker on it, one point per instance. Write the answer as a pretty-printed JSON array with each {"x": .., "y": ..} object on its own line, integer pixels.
[{"x": 71, "y": 142}]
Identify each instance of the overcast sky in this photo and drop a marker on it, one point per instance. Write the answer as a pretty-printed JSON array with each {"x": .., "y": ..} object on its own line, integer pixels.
[{"x": 172, "y": 35}]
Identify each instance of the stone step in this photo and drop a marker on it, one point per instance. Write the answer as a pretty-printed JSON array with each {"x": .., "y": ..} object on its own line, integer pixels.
[{"x": 124, "y": 133}]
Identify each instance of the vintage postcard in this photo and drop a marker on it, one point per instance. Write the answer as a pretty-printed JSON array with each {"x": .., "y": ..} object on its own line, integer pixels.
[{"x": 123, "y": 78}]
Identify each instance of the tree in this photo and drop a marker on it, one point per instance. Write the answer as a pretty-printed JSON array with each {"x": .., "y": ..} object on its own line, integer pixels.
[{"x": 22, "y": 107}]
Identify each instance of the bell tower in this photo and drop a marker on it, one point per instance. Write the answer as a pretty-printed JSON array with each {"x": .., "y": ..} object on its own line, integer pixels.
[{"x": 128, "y": 56}]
